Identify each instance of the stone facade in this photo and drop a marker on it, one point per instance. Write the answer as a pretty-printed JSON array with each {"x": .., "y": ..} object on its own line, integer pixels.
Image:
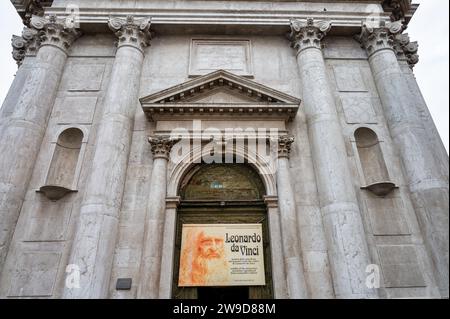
[{"x": 89, "y": 190}]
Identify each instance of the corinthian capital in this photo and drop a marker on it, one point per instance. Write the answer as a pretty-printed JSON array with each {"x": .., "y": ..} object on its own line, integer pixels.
[
  {"x": 308, "y": 33},
  {"x": 55, "y": 32},
  {"x": 131, "y": 31},
  {"x": 161, "y": 146},
  {"x": 284, "y": 145},
  {"x": 25, "y": 44},
  {"x": 406, "y": 49},
  {"x": 383, "y": 37}
]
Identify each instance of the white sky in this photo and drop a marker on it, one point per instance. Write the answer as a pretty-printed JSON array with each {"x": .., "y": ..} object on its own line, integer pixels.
[{"x": 430, "y": 27}]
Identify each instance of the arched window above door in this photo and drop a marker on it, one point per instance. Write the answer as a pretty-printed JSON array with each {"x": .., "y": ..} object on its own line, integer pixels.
[{"x": 222, "y": 182}]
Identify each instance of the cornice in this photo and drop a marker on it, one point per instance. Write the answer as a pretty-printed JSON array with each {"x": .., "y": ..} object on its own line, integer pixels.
[
  {"x": 29, "y": 8},
  {"x": 400, "y": 9},
  {"x": 277, "y": 15},
  {"x": 265, "y": 21}
]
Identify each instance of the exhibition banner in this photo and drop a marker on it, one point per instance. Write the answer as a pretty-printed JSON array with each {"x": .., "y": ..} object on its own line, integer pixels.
[{"x": 217, "y": 255}]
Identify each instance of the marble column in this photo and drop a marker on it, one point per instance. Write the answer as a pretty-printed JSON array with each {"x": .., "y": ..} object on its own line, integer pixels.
[
  {"x": 154, "y": 227},
  {"x": 168, "y": 248},
  {"x": 344, "y": 230},
  {"x": 25, "y": 113},
  {"x": 426, "y": 181},
  {"x": 95, "y": 237},
  {"x": 288, "y": 218}
]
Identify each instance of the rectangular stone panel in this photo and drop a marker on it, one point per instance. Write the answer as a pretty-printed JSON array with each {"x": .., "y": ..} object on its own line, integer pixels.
[
  {"x": 349, "y": 79},
  {"x": 358, "y": 109},
  {"x": 75, "y": 110},
  {"x": 48, "y": 221},
  {"x": 400, "y": 267},
  {"x": 35, "y": 274},
  {"x": 387, "y": 216},
  {"x": 207, "y": 56},
  {"x": 85, "y": 77}
]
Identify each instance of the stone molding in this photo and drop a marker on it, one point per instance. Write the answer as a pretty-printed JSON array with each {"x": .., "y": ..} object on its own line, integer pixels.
[
  {"x": 34, "y": 8},
  {"x": 271, "y": 201},
  {"x": 54, "y": 31},
  {"x": 131, "y": 31},
  {"x": 161, "y": 146},
  {"x": 172, "y": 203},
  {"x": 284, "y": 145},
  {"x": 399, "y": 8},
  {"x": 308, "y": 33},
  {"x": 381, "y": 38},
  {"x": 29, "y": 8},
  {"x": 406, "y": 50}
]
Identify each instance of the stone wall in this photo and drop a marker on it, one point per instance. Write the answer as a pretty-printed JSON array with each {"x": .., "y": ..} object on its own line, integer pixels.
[{"x": 42, "y": 242}]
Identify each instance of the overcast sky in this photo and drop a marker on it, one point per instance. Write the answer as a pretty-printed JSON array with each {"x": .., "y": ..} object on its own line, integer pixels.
[{"x": 430, "y": 27}]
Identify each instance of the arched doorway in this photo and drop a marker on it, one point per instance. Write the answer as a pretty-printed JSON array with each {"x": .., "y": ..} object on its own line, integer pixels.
[{"x": 218, "y": 195}]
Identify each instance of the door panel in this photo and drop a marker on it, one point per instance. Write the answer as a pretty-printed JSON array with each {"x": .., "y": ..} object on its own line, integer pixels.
[{"x": 210, "y": 213}]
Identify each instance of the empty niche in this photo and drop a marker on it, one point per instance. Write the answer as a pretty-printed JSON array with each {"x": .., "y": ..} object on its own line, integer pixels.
[
  {"x": 63, "y": 167},
  {"x": 372, "y": 162}
]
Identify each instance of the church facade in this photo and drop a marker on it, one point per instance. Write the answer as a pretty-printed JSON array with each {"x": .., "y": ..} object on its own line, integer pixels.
[{"x": 207, "y": 149}]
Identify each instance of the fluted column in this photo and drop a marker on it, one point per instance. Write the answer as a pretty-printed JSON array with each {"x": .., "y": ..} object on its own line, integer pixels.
[
  {"x": 154, "y": 227},
  {"x": 427, "y": 184},
  {"x": 344, "y": 229},
  {"x": 95, "y": 238},
  {"x": 288, "y": 216},
  {"x": 25, "y": 113}
]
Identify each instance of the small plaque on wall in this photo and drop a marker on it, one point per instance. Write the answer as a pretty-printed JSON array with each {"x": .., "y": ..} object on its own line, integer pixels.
[{"x": 207, "y": 56}]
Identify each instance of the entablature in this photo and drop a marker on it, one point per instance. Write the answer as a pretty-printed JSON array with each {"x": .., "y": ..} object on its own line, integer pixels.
[{"x": 239, "y": 17}]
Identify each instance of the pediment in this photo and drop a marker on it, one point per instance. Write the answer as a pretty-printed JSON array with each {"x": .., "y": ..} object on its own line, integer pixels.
[
  {"x": 220, "y": 92},
  {"x": 221, "y": 95}
]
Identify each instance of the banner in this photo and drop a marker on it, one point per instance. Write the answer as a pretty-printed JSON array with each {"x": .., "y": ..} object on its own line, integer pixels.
[{"x": 217, "y": 255}]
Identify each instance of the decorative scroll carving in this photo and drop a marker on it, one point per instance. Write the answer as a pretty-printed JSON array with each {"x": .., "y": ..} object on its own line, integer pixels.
[
  {"x": 308, "y": 33},
  {"x": 54, "y": 31},
  {"x": 132, "y": 32},
  {"x": 25, "y": 44},
  {"x": 406, "y": 49},
  {"x": 284, "y": 145},
  {"x": 161, "y": 146},
  {"x": 376, "y": 39}
]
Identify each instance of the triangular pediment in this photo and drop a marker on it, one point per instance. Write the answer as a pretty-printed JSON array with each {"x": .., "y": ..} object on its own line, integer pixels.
[
  {"x": 221, "y": 95},
  {"x": 242, "y": 89},
  {"x": 220, "y": 92}
]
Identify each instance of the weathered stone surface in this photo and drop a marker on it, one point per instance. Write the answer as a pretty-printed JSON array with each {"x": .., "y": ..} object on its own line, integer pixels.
[
  {"x": 325, "y": 224},
  {"x": 24, "y": 118}
]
